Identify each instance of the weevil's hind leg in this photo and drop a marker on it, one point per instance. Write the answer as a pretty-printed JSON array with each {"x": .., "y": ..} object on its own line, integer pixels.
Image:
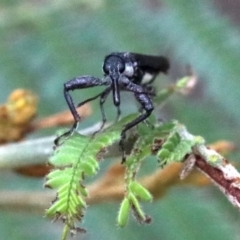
[
  {"x": 88, "y": 100},
  {"x": 146, "y": 121},
  {"x": 103, "y": 97},
  {"x": 147, "y": 105},
  {"x": 122, "y": 147}
]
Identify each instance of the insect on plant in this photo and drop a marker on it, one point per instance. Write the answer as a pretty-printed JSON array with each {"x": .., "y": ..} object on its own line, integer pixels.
[{"x": 123, "y": 71}]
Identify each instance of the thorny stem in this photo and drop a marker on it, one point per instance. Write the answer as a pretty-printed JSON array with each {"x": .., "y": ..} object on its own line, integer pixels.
[
  {"x": 225, "y": 177},
  {"x": 34, "y": 151},
  {"x": 216, "y": 167}
]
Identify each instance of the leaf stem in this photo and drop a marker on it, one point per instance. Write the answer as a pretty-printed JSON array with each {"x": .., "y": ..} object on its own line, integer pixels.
[{"x": 65, "y": 232}]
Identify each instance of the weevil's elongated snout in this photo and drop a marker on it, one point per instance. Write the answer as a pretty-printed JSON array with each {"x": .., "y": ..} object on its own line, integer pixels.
[
  {"x": 114, "y": 66},
  {"x": 115, "y": 89}
]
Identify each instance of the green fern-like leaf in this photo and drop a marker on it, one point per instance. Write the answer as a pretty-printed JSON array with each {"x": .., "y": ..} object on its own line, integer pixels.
[
  {"x": 69, "y": 161},
  {"x": 143, "y": 147},
  {"x": 174, "y": 148},
  {"x": 169, "y": 144},
  {"x": 76, "y": 158}
]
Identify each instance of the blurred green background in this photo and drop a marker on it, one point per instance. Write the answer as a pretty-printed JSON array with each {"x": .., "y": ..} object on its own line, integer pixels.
[{"x": 45, "y": 43}]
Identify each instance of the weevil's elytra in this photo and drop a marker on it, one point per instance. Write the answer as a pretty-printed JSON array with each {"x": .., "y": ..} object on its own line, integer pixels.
[{"x": 123, "y": 71}]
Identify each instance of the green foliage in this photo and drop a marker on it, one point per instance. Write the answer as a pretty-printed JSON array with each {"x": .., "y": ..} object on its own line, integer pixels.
[
  {"x": 163, "y": 141},
  {"x": 134, "y": 192},
  {"x": 76, "y": 158},
  {"x": 123, "y": 212},
  {"x": 79, "y": 156},
  {"x": 165, "y": 93},
  {"x": 174, "y": 148}
]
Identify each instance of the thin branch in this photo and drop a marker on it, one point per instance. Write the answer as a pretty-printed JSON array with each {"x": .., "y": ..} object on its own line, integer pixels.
[
  {"x": 34, "y": 151},
  {"x": 216, "y": 167},
  {"x": 225, "y": 176}
]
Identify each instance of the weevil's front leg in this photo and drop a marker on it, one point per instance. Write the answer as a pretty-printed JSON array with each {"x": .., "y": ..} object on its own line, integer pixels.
[
  {"x": 147, "y": 105},
  {"x": 79, "y": 83}
]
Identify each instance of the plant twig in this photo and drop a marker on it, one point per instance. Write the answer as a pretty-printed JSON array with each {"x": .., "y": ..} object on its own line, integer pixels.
[
  {"x": 34, "y": 151},
  {"x": 216, "y": 167}
]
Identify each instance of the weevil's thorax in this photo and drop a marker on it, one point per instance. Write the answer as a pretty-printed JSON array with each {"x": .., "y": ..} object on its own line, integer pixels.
[
  {"x": 130, "y": 65},
  {"x": 133, "y": 70}
]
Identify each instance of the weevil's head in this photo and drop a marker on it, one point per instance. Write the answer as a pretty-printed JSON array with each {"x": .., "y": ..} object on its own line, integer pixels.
[{"x": 113, "y": 66}]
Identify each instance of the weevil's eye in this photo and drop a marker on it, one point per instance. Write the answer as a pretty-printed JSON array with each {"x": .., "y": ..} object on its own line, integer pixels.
[{"x": 106, "y": 67}]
